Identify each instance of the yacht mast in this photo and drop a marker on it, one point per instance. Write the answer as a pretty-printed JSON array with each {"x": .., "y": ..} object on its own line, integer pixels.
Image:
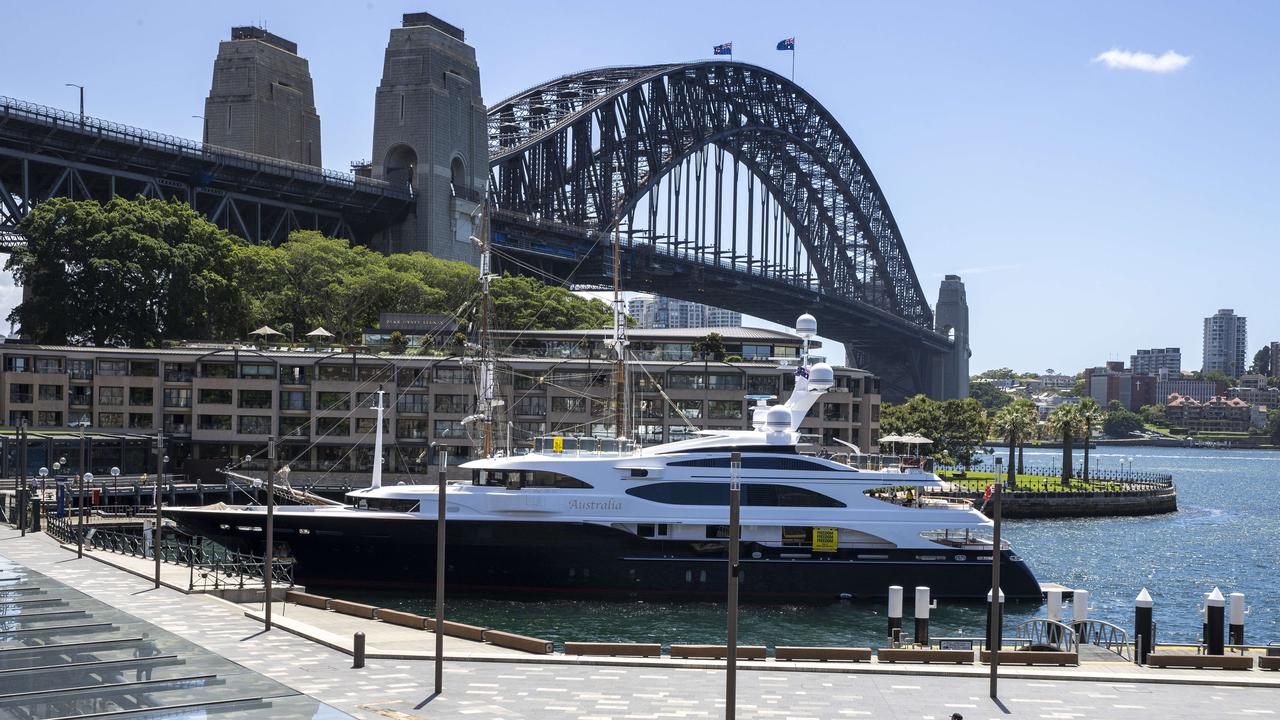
[
  {"x": 486, "y": 351},
  {"x": 376, "y": 480},
  {"x": 619, "y": 342}
]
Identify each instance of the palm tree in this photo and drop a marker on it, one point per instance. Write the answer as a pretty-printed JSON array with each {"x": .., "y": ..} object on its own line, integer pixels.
[
  {"x": 1031, "y": 417},
  {"x": 1091, "y": 415},
  {"x": 1005, "y": 425},
  {"x": 1013, "y": 423},
  {"x": 1064, "y": 421}
]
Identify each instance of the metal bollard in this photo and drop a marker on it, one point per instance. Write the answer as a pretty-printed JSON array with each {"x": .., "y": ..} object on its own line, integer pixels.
[
  {"x": 1079, "y": 612},
  {"x": 1235, "y": 618},
  {"x": 1213, "y": 612},
  {"x": 923, "y": 606},
  {"x": 1054, "y": 613},
  {"x": 895, "y": 613},
  {"x": 358, "y": 651},
  {"x": 1144, "y": 626}
]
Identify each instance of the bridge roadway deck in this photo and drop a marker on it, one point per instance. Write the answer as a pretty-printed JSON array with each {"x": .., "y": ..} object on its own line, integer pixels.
[{"x": 488, "y": 684}]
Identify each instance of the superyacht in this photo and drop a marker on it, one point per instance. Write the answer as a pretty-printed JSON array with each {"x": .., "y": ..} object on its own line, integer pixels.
[{"x": 601, "y": 517}]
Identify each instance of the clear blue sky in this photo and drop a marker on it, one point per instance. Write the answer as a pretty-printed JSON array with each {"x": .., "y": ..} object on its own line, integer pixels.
[{"x": 1091, "y": 210}]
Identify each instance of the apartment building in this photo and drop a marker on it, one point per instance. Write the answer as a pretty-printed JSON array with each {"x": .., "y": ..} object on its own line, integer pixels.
[
  {"x": 1226, "y": 343},
  {"x": 218, "y": 404},
  {"x": 1151, "y": 361},
  {"x": 1218, "y": 413}
]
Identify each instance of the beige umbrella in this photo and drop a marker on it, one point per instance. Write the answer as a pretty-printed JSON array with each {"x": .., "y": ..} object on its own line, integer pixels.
[
  {"x": 265, "y": 330},
  {"x": 319, "y": 333}
]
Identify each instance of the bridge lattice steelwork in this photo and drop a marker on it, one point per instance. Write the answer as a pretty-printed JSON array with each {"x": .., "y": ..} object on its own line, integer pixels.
[{"x": 720, "y": 163}]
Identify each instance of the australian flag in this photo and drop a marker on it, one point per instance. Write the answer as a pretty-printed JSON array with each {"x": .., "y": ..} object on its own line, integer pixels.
[
  {"x": 725, "y": 49},
  {"x": 803, "y": 372},
  {"x": 788, "y": 44}
]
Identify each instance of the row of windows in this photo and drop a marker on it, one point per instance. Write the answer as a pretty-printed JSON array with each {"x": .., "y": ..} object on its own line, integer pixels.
[
  {"x": 717, "y": 493},
  {"x": 752, "y": 462}
]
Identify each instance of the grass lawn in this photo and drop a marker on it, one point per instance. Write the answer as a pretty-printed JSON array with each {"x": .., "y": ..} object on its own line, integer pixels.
[{"x": 1042, "y": 483}]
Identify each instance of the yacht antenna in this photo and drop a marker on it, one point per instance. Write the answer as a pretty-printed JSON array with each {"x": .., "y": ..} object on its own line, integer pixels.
[
  {"x": 376, "y": 480},
  {"x": 619, "y": 341}
]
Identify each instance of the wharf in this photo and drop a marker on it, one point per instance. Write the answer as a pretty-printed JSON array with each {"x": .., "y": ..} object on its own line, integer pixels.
[{"x": 484, "y": 681}]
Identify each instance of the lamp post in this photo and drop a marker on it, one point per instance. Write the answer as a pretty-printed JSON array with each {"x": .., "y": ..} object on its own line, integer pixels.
[
  {"x": 44, "y": 473},
  {"x": 22, "y": 478},
  {"x": 115, "y": 476},
  {"x": 440, "y": 567},
  {"x": 268, "y": 566},
  {"x": 80, "y": 480},
  {"x": 58, "y": 487},
  {"x": 81, "y": 88},
  {"x": 731, "y": 659},
  {"x": 993, "y": 642},
  {"x": 161, "y": 459}
]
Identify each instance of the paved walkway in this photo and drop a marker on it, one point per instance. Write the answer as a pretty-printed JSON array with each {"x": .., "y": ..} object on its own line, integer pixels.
[{"x": 536, "y": 688}]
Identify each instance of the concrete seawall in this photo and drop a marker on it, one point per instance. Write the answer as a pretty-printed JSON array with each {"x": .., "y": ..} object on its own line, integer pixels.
[{"x": 1085, "y": 504}]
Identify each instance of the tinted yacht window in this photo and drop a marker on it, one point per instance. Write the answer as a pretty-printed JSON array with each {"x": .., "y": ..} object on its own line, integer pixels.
[
  {"x": 755, "y": 494},
  {"x": 759, "y": 463}
]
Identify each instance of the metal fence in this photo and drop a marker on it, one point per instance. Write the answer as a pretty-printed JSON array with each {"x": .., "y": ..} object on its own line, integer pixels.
[
  {"x": 210, "y": 566},
  {"x": 1095, "y": 473}
]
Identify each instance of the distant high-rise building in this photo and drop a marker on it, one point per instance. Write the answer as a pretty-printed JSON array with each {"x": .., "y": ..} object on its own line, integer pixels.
[
  {"x": 650, "y": 311},
  {"x": 1225, "y": 343},
  {"x": 1151, "y": 362},
  {"x": 1275, "y": 357}
]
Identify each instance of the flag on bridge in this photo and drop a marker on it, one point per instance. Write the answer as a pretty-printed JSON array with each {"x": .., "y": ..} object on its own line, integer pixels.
[
  {"x": 788, "y": 44},
  {"x": 723, "y": 49}
]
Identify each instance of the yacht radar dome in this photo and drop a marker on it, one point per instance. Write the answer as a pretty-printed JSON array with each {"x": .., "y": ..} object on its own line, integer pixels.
[
  {"x": 806, "y": 326},
  {"x": 821, "y": 376},
  {"x": 778, "y": 419}
]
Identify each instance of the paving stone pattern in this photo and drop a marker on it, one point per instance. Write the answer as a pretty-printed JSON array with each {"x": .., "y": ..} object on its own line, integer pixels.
[{"x": 402, "y": 689}]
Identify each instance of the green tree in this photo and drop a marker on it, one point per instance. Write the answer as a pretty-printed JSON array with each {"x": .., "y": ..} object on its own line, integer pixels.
[
  {"x": 1031, "y": 420},
  {"x": 129, "y": 272},
  {"x": 1217, "y": 376},
  {"x": 1261, "y": 362},
  {"x": 991, "y": 397},
  {"x": 1122, "y": 423},
  {"x": 1065, "y": 422},
  {"x": 1091, "y": 415},
  {"x": 1153, "y": 414},
  {"x": 710, "y": 346},
  {"x": 996, "y": 374},
  {"x": 1273, "y": 426},
  {"x": 521, "y": 302},
  {"x": 1013, "y": 424},
  {"x": 957, "y": 427}
]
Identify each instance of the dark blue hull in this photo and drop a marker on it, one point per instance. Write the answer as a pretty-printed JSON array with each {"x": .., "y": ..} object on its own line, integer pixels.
[{"x": 556, "y": 558}]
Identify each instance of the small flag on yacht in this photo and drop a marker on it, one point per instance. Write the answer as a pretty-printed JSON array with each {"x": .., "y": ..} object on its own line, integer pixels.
[
  {"x": 723, "y": 49},
  {"x": 803, "y": 372}
]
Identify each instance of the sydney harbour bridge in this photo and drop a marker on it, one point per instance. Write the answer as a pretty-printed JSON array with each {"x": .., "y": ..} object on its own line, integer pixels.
[{"x": 725, "y": 183}]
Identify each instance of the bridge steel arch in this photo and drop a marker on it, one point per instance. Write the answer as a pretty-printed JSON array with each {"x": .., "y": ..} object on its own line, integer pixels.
[{"x": 573, "y": 157}]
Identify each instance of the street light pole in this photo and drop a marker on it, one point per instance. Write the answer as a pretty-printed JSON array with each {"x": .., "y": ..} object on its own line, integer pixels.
[
  {"x": 993, "y": 642},
  {"x": 268, "y": 559},
  {"x": 155, "y": 550},
  {"x": 23, "y": 485},
  {"x": 440, "y": 568},
  {"x": 80, "y": 492},
  {"x": 81, "y": 88},
  {"x": 731, "y": 656}
]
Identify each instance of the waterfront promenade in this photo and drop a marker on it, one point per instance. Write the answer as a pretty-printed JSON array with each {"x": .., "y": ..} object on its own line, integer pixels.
[{"x": 513, "y": 686}]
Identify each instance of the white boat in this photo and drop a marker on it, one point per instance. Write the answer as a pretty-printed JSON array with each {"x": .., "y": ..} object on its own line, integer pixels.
[{"x": 602, "y": 517}]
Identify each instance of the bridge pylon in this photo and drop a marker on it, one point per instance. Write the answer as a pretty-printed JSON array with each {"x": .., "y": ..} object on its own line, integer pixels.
[{"x": 430, "y": 131}]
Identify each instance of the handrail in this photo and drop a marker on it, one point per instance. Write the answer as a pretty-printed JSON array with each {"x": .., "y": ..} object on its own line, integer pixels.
[
  {"x": 1042, "y": 631},
  {"x": 55, "y": 117},
  {"x": 1104, "y": 635}
]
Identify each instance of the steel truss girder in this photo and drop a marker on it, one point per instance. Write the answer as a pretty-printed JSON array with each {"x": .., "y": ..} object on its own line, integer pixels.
[
  {"x": 257, "y": 219},
  {"x": 585, "y": 148}
]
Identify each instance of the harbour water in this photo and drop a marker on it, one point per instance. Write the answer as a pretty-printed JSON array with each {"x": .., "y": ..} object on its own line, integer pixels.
[{"x": 1225, "y": 533}]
